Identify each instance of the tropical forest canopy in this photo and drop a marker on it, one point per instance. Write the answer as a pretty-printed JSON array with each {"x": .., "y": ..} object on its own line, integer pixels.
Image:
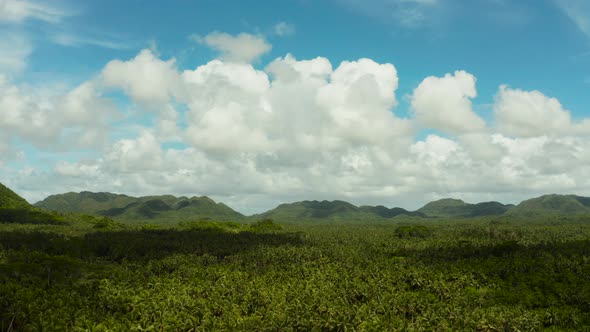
[{"x": 443, "y": 267}]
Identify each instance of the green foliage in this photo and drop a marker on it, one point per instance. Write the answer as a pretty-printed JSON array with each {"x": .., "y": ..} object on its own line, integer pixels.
[
  {"x": 384, "y": 212},
  {"x": 464, "y": 275},
  {"x": 9, "y": 199},
  {"x": 553, "y": 204},
  {"x": 105, "y": 223},
  {"x": 212, "y": 226},
  {"x": 165, "y": 209},
  {"x": 412, "y": 231},
  {"x": 456, "y": 208},
  {"x": 333, "y": 211},
  {"x": 29, "y": 216},
  {"x": 265, "y": 225}
]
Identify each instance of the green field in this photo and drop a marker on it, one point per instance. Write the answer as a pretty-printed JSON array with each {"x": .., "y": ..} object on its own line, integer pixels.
[{"x": 487, "y": 274}]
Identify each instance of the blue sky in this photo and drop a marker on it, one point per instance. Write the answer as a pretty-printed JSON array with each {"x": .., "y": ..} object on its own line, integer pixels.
[{"x": 539, "y": 49}]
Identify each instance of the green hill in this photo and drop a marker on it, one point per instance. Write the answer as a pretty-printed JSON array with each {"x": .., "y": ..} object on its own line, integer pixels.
[
  {"x": 9, "y": 199},
  {"x": 311, "y": 210},
  {"x": 85, "y": 202},
  {"x": 553, "y": 204},
  {"x": 149, "y": 208},
  {"x": 16, "y": 210},
  {"x": 178, "y": 209},
  {"x": 385, "y": 212},
  {"x": 456, "y": 208},
  {"x": 333, "y": 211}
]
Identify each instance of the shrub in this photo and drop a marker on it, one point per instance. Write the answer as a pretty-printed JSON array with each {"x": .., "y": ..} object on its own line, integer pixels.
[
  {"x": 413, "y": 231},
  {"x": 265, "y": 225}
]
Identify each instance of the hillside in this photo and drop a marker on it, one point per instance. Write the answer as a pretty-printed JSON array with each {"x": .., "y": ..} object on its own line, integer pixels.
[
  {"x": 16, "y": 210},
  {"x": 553, "y": 204},
  {"x": 333, "y": 211},
  {"x": 9, "y": 199},
  {"x": 385, "y": 212},
  {"x": 456, "y": 208},
  {"x": 169, "y": 208},
  {"x": 85, "y": 202},
  {"x": 165, "y": 208},
  {"x": 311, "y": 210}
]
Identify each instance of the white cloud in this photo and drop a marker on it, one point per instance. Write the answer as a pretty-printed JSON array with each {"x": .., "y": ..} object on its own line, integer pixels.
[
  {"x": 73, "y": 40},
  {"x": 578, "y": 11},
  {"x": 530, "y": 113},
  {"x": 15, "y": 48},
  {"x": 284, "y": 29},
  {"x": 50, "y": 120},
  {"x": 445, "y": 103},
  {"x": 135, "y": 155},
  {"x": 145, "y": 78},
  {"x": 297, "y": 129},
  {"x": 234, "y": 107},
  {"x": 243, "y": 47},
  {"x": 15, "y": 11}
]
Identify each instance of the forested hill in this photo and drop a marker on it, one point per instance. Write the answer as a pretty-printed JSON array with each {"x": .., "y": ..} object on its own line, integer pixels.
[
  {"x": 9, "y": 199},
  {"x": 553, "y": 204},
  {"x": 166, "y": 208},
  {"x": 171, "y": 209},
  {"x": 15, "y": 209},
  {"x": 456, "y": 208},
  {"x": 333, "y": 210}
]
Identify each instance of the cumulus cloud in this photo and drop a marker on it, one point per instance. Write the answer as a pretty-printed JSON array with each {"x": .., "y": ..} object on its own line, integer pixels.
[
  {"x": 445, "y": 103},
  {"x": 529, "y": 113},
  {"x": 302, "y": 104},
  {"x": 15, "y": 11},
  {"x": 296, "y": 129},
  {"x": 48, "y": 120},
  {"x": 144, "y": 78},
  {"x": 243, "y": 47},
  {"x": 284, "y": 29}
]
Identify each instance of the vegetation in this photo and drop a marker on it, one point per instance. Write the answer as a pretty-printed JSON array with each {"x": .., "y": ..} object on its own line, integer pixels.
[
  {"x": 553, "y": 204},
  {"x": 456, "y": 208},
  {"x": 95, "y": 273},
  {"x": 170, "y": 209},
  {"x": 333, "y": 211},
  {"x": 9, "y": 199},
  {"x": 165, "y": 209}
]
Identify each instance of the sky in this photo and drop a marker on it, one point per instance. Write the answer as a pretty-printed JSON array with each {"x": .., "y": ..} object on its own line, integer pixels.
[{"x": 257, "y": 103}]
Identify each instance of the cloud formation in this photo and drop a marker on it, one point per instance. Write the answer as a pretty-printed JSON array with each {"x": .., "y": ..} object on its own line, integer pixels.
[
  {"x": 294, "y": 129},
  {"x": 52, "y": 121},
  {"x": 284, "y": 29},
  {"x": 145, "y": 78},
  {"x": 16, "y": 11},
  {"x": 530, "y": 113},
  {"x": 14, "y": 51},
  {"x": 578, "y": 11},
  {"x": 445, "y": 103},
  {"x": 243, "y": 47}
]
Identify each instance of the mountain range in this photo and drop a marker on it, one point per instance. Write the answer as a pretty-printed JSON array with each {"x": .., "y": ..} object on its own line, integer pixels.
[
  {"x": 173, "y": 209},
  {"x": 117, "y": 206},
  {"x": 334, "y": 210}
]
